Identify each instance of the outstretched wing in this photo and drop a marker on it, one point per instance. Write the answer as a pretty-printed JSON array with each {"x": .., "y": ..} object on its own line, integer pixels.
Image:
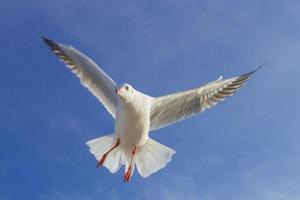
[
  {"x": 90, "y": 74},
  {"x": 172, "y": 108}
]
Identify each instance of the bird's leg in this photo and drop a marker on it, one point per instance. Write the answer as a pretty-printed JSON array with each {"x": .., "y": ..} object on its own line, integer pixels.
[
  {"x": 128, "y": 174},
  {"x": 101, "y": 161}
]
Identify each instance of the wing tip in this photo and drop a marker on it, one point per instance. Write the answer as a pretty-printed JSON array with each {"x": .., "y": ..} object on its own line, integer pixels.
[
  {"x": 248, "y": 75},
  {"x": 258, "y": 68},
  {"x": 49, "y": 42},
  {"x": 54, "y": 46}
]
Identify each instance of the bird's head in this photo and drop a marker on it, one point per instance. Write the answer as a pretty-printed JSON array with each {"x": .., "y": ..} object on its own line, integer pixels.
[{"x": 125, "y": 93}]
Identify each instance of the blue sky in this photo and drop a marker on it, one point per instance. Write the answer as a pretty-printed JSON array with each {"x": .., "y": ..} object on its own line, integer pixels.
[{"x": 244, "y": 148}]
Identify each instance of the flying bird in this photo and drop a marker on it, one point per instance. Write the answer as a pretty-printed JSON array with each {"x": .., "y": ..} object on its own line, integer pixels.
[{"x": 136, "y": 113}]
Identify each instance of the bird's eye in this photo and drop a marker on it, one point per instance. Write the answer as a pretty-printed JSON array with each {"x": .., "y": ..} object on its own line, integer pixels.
[{"x": 126, "y": 88}]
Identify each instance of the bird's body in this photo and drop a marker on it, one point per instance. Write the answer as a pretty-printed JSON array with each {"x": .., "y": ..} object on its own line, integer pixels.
[
  {"x": 133, "y": 121},
  {"x": 136, "y": 114}
]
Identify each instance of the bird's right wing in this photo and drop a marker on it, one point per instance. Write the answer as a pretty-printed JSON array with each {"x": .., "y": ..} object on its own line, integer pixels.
[
  {"x": 89, "y": 73},
  {"x": 172, "y": 108}
]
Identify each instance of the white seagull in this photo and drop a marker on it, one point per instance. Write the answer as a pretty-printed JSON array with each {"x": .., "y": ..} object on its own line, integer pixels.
[{"x": 136, "y": 114}]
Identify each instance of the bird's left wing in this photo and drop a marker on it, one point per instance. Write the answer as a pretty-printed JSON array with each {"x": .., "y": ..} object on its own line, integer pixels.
[
  {"x": 90, "y": 74},
  {"x": 171, "y": 108}
]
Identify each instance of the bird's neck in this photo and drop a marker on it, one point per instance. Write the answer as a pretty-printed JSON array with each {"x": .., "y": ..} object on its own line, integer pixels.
[{"x": 137, "y": 105}]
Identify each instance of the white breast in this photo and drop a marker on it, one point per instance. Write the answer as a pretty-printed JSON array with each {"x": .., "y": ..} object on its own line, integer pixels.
[{"x": 133, "y": 121}]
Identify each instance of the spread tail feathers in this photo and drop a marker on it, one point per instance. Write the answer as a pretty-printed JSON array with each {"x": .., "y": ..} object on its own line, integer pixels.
[
  {"x": 99, "y": 146},
  {"x": 149, "y": 158},
  {"x": 152, "y": 157}
]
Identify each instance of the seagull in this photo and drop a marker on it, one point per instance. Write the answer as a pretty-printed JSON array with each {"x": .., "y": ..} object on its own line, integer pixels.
[{"x": 136, "y": 113}]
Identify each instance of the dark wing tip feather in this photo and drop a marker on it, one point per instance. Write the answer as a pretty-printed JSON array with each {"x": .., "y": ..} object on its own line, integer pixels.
[
  {"x": 53, "y": 46},
  {"x": 64, "y": 57},
  {"x": 245, "y": 77},
  {"x": 234, "y": 86},
  {"x": 49, "y": 42},
  {"x": 253, "y": 71},
  {"x": 259, "y": 67}
]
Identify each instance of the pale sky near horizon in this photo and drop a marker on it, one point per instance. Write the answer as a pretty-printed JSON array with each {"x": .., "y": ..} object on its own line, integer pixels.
[{"x": 246, "y": 147}]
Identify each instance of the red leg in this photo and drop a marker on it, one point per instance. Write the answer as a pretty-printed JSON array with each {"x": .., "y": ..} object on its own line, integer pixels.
[
  {"x": 101, "y": 161},
  {"x": 128, "y": 174}
]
